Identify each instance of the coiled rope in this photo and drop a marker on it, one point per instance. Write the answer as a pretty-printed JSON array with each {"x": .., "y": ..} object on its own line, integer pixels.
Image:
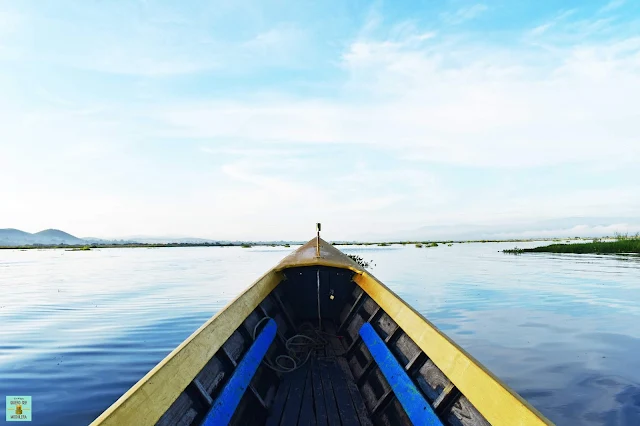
[{"x": 299, "y": 348}]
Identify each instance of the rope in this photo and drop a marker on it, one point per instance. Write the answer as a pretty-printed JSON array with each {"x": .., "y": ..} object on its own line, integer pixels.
[{"x": 299, "y": 348}]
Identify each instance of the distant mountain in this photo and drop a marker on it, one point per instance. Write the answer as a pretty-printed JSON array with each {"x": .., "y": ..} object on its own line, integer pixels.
[
  {"x": 549, "y": 228},
  {"x": 55, "y": 236},
  {"x": 167, "y": 240},
  {"x": 15, "y": 237}
]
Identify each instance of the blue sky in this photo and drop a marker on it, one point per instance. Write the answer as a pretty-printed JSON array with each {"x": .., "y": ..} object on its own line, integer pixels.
[{"x": 256, "y": 119}]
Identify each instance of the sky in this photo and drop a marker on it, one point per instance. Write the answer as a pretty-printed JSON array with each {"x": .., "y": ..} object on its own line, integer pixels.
[{"x": 257, "y": 119}]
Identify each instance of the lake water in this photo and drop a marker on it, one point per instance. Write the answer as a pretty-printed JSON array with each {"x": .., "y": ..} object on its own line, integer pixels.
[{"x": 77, "y": 329}]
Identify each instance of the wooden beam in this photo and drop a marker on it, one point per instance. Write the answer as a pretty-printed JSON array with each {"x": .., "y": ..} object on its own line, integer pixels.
[
  {"x": 357, "y": 340},
  {"x": 285, "y": 312},
  {"x": 416, "y": 362},
  {"x": 283, "y": 340},
  {"x": 395, "y": 334},
  {"x": 386, "y": 397},
  {"x": 354, "y": 308},
  {"x": 202, "y": 392},
  {"x": 446, "y": 399}
]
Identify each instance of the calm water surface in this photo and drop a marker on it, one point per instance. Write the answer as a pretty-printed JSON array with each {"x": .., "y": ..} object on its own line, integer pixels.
[{"x": 77, "y": 329}]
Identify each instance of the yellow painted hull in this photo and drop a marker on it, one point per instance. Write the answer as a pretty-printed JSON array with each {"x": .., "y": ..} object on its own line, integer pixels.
[{"x": 148, "y": 400}]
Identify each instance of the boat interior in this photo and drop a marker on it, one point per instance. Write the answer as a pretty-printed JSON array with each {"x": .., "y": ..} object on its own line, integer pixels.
[{"x": 320, "y": 369}]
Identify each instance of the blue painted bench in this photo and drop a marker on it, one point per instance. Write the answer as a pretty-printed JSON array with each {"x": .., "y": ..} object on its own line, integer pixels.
[
  {"x": 415, "y": 405},
  {"x": 225, "y": 405}
]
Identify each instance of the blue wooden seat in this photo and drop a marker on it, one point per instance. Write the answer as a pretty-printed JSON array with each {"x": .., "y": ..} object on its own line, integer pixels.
[
  {"x": 225, "y": 405},
  {"x": 415, "y": 405}
]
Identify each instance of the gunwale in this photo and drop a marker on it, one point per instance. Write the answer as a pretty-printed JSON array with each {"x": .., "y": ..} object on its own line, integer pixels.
[{"x": 152, "y": 395}]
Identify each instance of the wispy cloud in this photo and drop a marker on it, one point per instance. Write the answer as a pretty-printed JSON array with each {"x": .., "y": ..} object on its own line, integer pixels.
[
  {"x": 463, "y": 14},
  {"x": 498, "y": 107},
  {"x": 612, "y": 5},
  {"x": 553, "y": 22}
]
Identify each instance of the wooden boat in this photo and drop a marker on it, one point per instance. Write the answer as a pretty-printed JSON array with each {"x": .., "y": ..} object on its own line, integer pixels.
[{"x": 318, "y": 340}]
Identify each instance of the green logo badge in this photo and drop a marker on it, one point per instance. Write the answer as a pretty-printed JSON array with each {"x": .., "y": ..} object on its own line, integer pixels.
[{"x": 18, "y": 408}]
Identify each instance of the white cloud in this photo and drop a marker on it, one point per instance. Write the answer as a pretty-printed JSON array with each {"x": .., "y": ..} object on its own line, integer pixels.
[
  {"x": 142, "y": 44},
  {"x": 455, "y": 103},
  {"x": 463, "y": 14},
  {"x": 612, "y": 5},
  {"x": 560, "y": 17}
]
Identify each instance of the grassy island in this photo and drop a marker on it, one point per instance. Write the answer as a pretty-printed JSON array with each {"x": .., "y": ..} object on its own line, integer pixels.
[
  {"x": 83, "y": 248},
  {"x": 624, "y": 244}
]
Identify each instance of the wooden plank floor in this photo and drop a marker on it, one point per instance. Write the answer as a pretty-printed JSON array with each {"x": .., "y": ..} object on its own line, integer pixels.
[{"x": 321, "y": 393}]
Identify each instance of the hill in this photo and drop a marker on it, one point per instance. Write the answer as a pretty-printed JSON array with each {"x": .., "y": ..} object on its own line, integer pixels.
[
  {"x": 56, "y": 236},
  {"x": 16, "y": 237}
]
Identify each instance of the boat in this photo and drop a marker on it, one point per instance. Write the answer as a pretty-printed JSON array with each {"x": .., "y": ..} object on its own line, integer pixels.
[{"x": 318, "y": 340}]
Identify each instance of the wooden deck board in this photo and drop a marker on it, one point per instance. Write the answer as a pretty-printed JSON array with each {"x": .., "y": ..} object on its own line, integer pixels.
[
  {"x": 329, "y": 398},
  {"x": 321, "y": 393},
  {"x": 307, "y": 415},
  {"x": 275, "y": 413},
  {"x": 294, "y": 401},
  {"x": 345, "y": 404},
  {"x": 356, "y": 397},
  {"x": 318, "y": 394}
]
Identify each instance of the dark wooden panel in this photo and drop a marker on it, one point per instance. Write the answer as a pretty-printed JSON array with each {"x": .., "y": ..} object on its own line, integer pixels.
[
  {"x": 181, "y": 412},
  {"x": 251, "y": 321},
  {"x": 353, "y": 328},
  {"x": 333, "y": 418},
  {"x": 464, "y": 414},
  {"x": 318, "y": 394},
  {"x": 431, "y": 380},
  {"x": 359, "y": 360},
  {"x": 262, "y": 383},
  {"x": 384, "y": 325},
  {"x": 307, "y": 415},
  {"x": 373, "y": 388},
  {"x": 369, "y": 307},
  {"x": 335, "y": 347},
  {"x": 235, "y": 346},
  {"x": 196, "y": 390},
  {"x": 212, "y": 375},
  {"x": 351, "y": 307},
  {"x": 285, "y": 309},
  {"x": 394, "y": 415},
  {"x": 404, "y": 349},
  {"x": 300, "y": 291},
  {"x": 446, "y": 399},
  {"x": 277, "y": 408},
  {"x": 283, "y": 329},
  {"x": 294, "y": 401},
  {"x": 358, "y": 403},
  {"x": 346, "y": 409},
  {"x": 269, "y": 304},
  {"x": 246, "y": 413}
]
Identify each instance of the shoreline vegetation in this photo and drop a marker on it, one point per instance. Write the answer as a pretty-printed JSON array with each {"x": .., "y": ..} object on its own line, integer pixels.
[
  {"x": 360, "y": 260},
  {"x": 622, "y": 244},
  {"x": 250, "y": 244}
]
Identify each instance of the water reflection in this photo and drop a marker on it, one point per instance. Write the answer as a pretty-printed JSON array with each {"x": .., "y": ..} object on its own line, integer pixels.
[{"x": 77, "y": 329}]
